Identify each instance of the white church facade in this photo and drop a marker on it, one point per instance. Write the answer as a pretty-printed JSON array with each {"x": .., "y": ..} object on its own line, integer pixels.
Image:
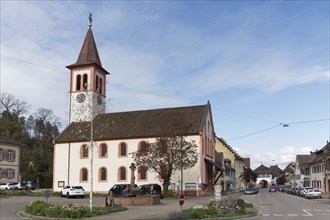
[{"x": 116, "y": 135}]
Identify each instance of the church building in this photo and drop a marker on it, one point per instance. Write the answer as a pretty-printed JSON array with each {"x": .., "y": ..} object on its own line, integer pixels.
[{"x": 115, "y": 135}]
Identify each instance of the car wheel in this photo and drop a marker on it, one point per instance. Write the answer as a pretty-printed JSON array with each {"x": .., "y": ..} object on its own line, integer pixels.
[
  {"x": 82, "y": 197},
  {"x": 68, "y": 195}
]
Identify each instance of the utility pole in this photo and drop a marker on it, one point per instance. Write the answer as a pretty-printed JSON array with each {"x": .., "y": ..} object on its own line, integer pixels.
[{"x": 92, "y": 161}]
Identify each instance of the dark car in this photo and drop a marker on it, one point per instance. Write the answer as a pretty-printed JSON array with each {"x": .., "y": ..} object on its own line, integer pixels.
[
  {"x": 121, "y": 190},
  {"x": 154, "y": 189},
  {"x": 272, "y": 188},
  {"x": 252, "y": 190},
  {"x": 292, "y": 190},
  {"x": 29, "y": 184}
]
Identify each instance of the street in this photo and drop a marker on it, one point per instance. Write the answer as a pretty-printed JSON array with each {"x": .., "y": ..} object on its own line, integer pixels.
[
  {"x": 278, "y": 205},
  {"x": 270, "y": 205}
]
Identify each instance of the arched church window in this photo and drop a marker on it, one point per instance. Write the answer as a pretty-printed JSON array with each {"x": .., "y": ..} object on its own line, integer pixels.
[
  {"x": 97, "y": 83},
  {"x": 103, "y": 174},
  {"x": 101, "y": 83},
  {"x": 85, "y": 82},
  {"x": 78, "y": 83},
  {"x": 83, "y": 175}
]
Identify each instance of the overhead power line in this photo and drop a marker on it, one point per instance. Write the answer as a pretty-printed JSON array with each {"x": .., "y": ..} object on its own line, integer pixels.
[{"x": 280, "y": 124}]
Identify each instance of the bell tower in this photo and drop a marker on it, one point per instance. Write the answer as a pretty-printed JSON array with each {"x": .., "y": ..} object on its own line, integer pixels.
[{"x": 87, "y": 82}]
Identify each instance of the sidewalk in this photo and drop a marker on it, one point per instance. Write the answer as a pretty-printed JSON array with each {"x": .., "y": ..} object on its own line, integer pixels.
[{"x": 160, "y": 211}]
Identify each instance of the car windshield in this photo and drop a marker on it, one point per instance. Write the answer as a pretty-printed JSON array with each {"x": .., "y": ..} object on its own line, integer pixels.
[{"x": 77, "y": 187}]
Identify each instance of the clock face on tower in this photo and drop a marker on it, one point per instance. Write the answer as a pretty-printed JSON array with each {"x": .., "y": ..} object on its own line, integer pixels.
[{"x": 81, "y": 98}]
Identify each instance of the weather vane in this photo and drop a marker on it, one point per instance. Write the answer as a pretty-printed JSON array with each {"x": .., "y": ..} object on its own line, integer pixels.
[{"x": 90, "y": 19}]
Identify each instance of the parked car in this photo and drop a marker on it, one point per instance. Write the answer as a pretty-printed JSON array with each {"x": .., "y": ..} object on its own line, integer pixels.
[
  {"x": 252, "y": 190},
  {"x": 7, "y": 186},
  {"x": 20, "y": 186},
  {"x": 154, "y": 189},
  {"x": 272, "y": 188},
  {"x": 304, "y": 191},
  {"x": 313, "y": 193},
  {"x": 30, "y": 184},
  {"x": 73, "y": 191},
  {"x": 297, "y": 191},
  {"x": 122, "y": 190},
  {"x": 292, "y": 191}
]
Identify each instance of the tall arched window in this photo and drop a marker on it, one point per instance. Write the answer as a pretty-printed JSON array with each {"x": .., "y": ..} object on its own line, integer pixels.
[
  {"x": 122, "y": 174},
  {"x": 78, "y": 83},
  {"x": 101, "y": 85},
  {"x": 122, "y": 150},
  {"x": 142, "y": 173},
  {"x": 103, "y": 174},
  {"x": 83, "y": 175},
  {"x": 85, "y": 82},
  {"x": 103, "y": 150},
  {"x": 84, "y": 151},
  {"x": 97, "y": 83},
  {"x": 143, "y": 147}
]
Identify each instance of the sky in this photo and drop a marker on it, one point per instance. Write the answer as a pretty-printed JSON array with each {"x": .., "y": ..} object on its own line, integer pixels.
[{"x": 261, "y": 64}]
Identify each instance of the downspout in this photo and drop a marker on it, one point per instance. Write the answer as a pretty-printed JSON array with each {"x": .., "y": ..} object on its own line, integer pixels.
[{"x": 69, "y": 164}]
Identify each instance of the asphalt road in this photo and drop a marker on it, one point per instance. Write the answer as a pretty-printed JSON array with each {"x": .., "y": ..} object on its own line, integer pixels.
[
  {"x": 278, "y": 205},
  {"x": 270, "y": 205}
]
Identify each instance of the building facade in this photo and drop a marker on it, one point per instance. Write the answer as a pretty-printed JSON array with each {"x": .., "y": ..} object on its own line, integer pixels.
[
  {"x": 95, "y": 149},
  {"x": 9, "y": 160}
]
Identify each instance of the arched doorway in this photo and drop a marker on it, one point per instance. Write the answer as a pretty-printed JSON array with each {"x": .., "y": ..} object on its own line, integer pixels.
[{"x": 263, "y": 184}]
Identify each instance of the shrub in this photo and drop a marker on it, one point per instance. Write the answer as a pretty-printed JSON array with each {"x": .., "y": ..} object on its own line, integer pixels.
[
  {"x": 37, "y": 208},
  {"x": 170, "y": 194},
  {"x": 42, "y": 208}
]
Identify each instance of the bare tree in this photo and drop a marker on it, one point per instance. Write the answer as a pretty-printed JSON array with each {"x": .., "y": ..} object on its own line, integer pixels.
[{"x": 9, "y": 103}]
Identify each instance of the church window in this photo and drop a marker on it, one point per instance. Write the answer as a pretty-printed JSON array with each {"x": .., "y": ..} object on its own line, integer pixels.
[
  {"x": 83, "y": 175},
  {"x": 143, "y": 147},
  {"x": 103, "y": 150},
  {"x": 103, "y": 174},
  {"x": 85, "y": 83},
  {"x": 101, "y": 84},
  {"x": 84, "y": 151},
  {"x": 142, "y": 173},
  {"x": 122, "y": 174},
  {"x": 78, "y": 83},
  {"x": 97, "y": 83},
  {"x": 122, "y": 150}
]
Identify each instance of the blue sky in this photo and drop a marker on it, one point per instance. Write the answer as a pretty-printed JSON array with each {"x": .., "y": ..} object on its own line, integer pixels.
[{"x": 259, "y": 63}]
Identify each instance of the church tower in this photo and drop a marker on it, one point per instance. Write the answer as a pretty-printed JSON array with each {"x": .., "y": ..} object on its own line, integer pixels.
[{"x": 87, "y": 82}]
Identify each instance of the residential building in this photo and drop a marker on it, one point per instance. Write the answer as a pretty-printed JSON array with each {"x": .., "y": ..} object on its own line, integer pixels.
[
  {"x": 318, "y": 170},
  {"x": 9, "y": 160},
  {"x": 233, "y": 165},
  {"x": 96, "y": 146},
  {"x": 326, "y": 158}
]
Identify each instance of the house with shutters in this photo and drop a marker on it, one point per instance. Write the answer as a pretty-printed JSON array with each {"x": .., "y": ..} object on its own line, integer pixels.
[
  {"x": 9, "y": 160},
  {"x": 96, "y": 146}
]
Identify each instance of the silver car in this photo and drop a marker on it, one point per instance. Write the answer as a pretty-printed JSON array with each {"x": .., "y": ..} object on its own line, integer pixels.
[
  {"x": 7, "y": 186},
  {"x": 313, "y": 193}
]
